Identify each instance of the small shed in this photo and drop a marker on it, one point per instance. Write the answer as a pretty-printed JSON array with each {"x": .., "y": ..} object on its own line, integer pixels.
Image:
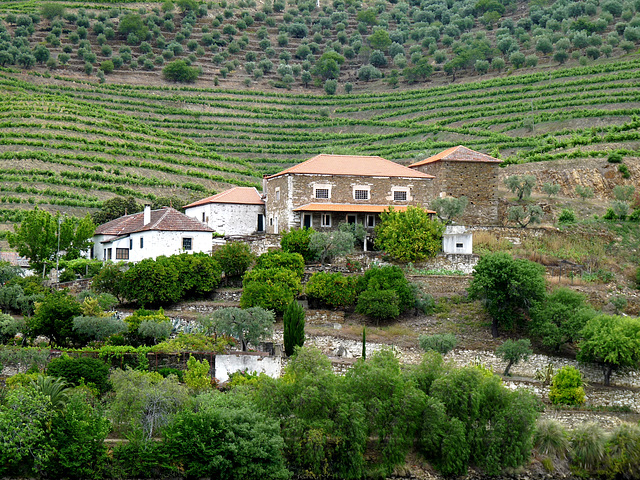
[{"x": 457, "y": 240}]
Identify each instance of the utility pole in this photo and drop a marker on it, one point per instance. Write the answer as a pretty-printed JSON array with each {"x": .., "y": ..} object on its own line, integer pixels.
[{"x": 58, "y": 253}]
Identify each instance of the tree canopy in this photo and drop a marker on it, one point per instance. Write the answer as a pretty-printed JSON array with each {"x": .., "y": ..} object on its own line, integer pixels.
[{"x": 507, "y": 286}]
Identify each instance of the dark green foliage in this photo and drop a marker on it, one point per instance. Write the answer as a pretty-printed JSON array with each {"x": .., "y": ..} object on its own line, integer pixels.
[
  {"x": 513, "y": 352},
  {"x": 132, "y": 23},
  {"x": 281, "y": 259},
  {"x": 54, "y": 316},
  {"x": 567, "y": 387},
  {"x": 559, "y": 317},
  {"x": 567, "y": 216},
  {"x": 139, "y": 335},
  {"x": 440, "y": 342},
  {"x": 297, "y": 240},
  {"x": 234, "y": 258},
  {"x": 272, "y": 288},
  {"x": 323, "y": 426},
  {"x": 623, "y": 451},
  {"x": 115, "y": 208},
  {"x": 52, "y": 10},
  {"x": 389, "y": 278},
  {"x": 379, "y": 304},
  {"x": 251, "y": 325},
  {"x": 508, "y": 287},
  {"x": 224, "y": 437},
  {"x": 77, "y": 437},
  {"x": 614, "y": 157},
  {"x": 180, "y": 71},
  {"x": 81, "y": 369},
  {"x": 110, "y": 279},
  {"x": 170, "y": 279},
  {"x": 331, "y": 289},
  {"x": 98, "y": 328},
  {"x": 293, "y": 320},
  {"x": 10, "y": 327}
]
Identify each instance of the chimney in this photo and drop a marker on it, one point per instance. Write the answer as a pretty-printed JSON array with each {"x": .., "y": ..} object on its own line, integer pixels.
[{"x": 146, "y": 218}]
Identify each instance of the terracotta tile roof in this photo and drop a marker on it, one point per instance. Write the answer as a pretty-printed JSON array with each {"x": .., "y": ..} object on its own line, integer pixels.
[
  {"x": 166, "y": 219},
  {"x": 359, "y": 165},
  {"x": 345, "y": 207},
  {"x": 239, "y": 195},
  {"x": 458, "y": 154}
]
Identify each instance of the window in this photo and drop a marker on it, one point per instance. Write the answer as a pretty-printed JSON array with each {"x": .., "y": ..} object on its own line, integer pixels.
[
  {"x": 122, "y": 253},
  {"x": 187, "y": 243},
  {"x": 108, "y": 254},
  {"x": 141, "y": 242},
  {"x": 322, "y": 193},
  {"x": 459, "y": 245},
  {"x": 371, "y": 221},
  {"x": 131, "y": 244},
  {"x": 278, "y": 194},
  {"x": 361, "y": 194},
  {"x": 400, "y": 195},
  {"x": 203, "y": 217},
  {"x": 351, "y": 219},
  {"x": 326, "y": 220}
]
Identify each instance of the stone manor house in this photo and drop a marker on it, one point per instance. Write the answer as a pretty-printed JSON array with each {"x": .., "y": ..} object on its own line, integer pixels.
[{"x": 330, "y": 189}]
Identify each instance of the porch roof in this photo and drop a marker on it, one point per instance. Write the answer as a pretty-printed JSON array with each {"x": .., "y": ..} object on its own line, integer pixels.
[{"x": 347, "y": 207}]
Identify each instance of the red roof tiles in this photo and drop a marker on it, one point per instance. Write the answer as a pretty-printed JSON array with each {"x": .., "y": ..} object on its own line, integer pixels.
[
  {"x": 166, "y": 219},
  {"x": 457, "y": 154},
  {"x": 359, "y": 165},
  {"x": 239, "y": 195}
]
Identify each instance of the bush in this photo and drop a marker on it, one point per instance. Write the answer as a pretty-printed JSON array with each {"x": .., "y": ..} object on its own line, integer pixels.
[
  {"x": 440, "y": 342},
  {"x": 54, "y": 316},
  {"x": 98, "y": 328},
  {"x": 551, "y": 438},
  {"x": 387, "y": 278},
  {"x": 234, "y": 258},
  {"x": 278, "y": 259},
  {"x": 297, "y": 241},
  {"x": 180, "y": 71},
  {"x": 567, "y": 388},
  {"x": 588, "y": 445},
  {"x": 331, "y": 289},
  {"x": 134, "y": 322},
  {"x": 10, "y": 327},
  {"x": 107, "y": 66},
  {"x": 270, "y": 288},
  {"x": 409, "y": 236},
  {"x": 90, "y": 371},
  {"x": 567, "y": 216},
  {"x": 330, "y": 86},
  {"x": 614, "y": 157},
  {"x": 379, "y": 304}
]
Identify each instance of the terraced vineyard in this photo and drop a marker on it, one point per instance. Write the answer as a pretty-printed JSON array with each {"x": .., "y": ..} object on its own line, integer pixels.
[{"x": 74, "y": 144}]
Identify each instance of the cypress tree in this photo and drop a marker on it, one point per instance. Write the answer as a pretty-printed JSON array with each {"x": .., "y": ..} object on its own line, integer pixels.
[
  {"x": 293, "y": 327},
  {"x": 364, "y": 342}
]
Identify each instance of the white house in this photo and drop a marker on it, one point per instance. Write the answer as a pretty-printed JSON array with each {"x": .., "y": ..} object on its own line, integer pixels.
[
  {"x": 456, "y": 239},
  {"x": 237, "y": 211},
  {"x": 150, "y": 234}
]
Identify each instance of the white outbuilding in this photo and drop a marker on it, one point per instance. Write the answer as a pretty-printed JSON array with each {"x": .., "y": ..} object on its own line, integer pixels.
[
  {"x": 150, "y": 234},
  {"x": 237, "y": 211},
  {"x": 456, "y": 240}
]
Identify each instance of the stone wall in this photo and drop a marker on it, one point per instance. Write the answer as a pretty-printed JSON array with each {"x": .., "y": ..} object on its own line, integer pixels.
[
  {"x": 478, "y": 181},
  {"x": 442, "y": 285}
]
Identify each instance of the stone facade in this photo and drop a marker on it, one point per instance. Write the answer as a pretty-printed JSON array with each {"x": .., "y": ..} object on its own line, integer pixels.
[
  {"x": 478, "y": 181},
  {"x": 285, "y": 194}
]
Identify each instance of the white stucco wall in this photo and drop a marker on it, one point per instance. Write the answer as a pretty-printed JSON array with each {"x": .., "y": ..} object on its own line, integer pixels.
[
  {"x": 227, "y": 364},
  {"x": 228, "y": 218},
  {"x": 450, "y": 243},
  {"x": 155, "y": 243}
]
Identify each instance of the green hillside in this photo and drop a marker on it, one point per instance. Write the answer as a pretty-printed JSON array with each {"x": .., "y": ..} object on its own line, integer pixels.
[{"x": 69, "y": 140}]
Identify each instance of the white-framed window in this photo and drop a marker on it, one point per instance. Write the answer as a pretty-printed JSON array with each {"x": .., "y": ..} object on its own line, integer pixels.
[
  {"x": 400, "y": 194},
  {"x": 371, "y": 221},
  {"x": 187, "y": 243},
  {"x": 108, "y": 254},
  {"x": 325, "y": 220},
  {"x": 361, "y": 192},
  {"x": 278, "y": 194},
  {"x": 322, "y": 193}
]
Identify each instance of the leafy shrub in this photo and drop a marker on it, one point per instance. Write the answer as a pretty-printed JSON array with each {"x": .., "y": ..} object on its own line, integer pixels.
[
  {"x": 54, "y": 316},
  {"x": 197, "y": 375},
  {"x": 166, "y": 371},
  {"x": 567, "y": 388},
  {"x": 234, "y": 258},
  {"x": 278, "y": 259},
  {"x": 331, "y": 289},
  {"x": 297, "y": 240},
  {"x": 271, "y": 288},
  {"x": 388, "y": 278},
  {"x": 10, "y": 327},
  {"x": 440, "y": 342},
  {"x": 91, "y": 371},
  {"x": 98, "y": 328},
  {"x": 137, "y": 337},
  {"x": 614, "y": 157},
  {"x": 157, "y": 331},
  {"x": 623, "y": 451},
  {"x": 567, "y": 216},
  {"x": 379, "y": 304},
  {"x": 180, "y": 71}
]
